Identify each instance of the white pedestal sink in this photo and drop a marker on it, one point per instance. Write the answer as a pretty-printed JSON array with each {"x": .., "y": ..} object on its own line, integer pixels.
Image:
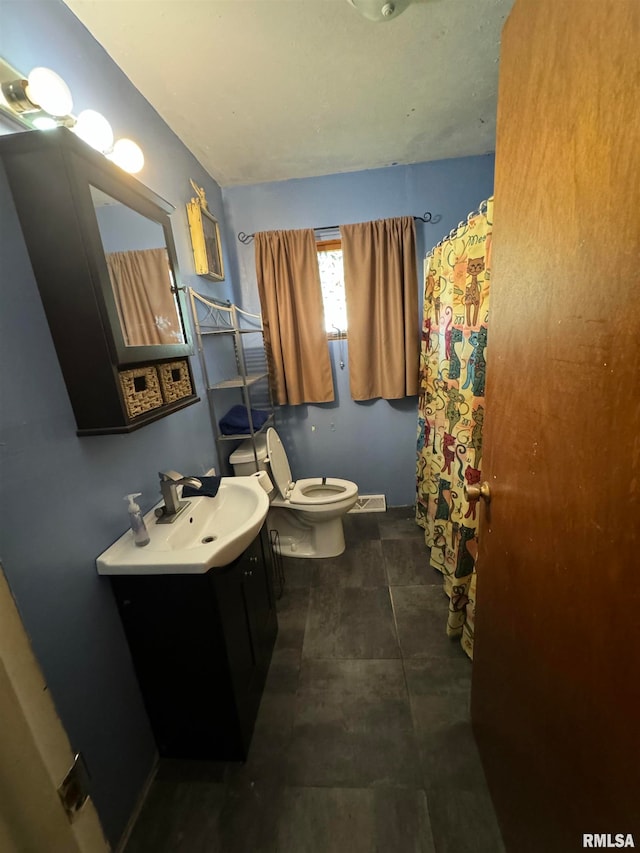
[{"x": 210, "y": 533}]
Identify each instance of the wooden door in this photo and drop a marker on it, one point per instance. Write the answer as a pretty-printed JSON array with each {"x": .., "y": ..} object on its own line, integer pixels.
[
  {"x": 35, "y": 754},
  {"x": 556, "y": 679}
]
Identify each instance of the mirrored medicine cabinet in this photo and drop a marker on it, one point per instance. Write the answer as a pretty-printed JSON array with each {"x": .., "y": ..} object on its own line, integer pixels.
[{"x": 103, "y": 255}]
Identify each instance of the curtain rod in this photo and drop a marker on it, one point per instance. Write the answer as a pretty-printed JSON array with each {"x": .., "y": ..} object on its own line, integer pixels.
[{"x": 428, "y": 217}]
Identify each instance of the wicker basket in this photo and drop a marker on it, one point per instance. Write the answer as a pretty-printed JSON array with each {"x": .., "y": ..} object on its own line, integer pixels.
[
  {"x": 141, "y": 390},
  {"x": 175, "y": 380}
]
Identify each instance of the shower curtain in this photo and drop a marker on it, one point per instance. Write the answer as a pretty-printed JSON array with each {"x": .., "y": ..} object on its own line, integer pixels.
[{"x": 451, "y": 408}]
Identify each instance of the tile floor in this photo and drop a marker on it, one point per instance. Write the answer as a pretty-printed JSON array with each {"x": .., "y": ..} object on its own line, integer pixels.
[{"x": 362, "y": 741}]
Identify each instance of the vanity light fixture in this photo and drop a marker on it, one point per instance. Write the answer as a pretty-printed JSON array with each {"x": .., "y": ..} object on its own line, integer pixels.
[
  {"x": 127, "y": 155},
  {"x": 44, "y": 123},
  {"x": 43, "y": 101},
  {"x": 95, "y": 130},
  {"x": 379, "y": 10},
  {"x": 42, "y": 90}
]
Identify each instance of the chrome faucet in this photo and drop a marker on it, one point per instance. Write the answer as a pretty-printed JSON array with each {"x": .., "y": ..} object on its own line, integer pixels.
[{"x": 173, "y": 506}]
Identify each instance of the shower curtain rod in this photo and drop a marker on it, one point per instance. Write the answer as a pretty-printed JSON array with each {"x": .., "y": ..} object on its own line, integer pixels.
[
  {"x": 482, "y": 208},
  {"x": 428, "y": 217}
]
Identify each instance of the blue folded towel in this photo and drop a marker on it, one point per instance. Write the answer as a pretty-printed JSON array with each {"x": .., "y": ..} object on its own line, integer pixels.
[
  {"x": 237, "y": 420},
  {"x": 209, "y": 488}
]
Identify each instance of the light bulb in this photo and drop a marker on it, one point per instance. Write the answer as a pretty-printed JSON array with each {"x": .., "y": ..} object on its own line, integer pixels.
[
  {"x": 94, "y": 129},
  {"x": 49, "y": 91},
  {"x": 44, "y": 123},
  {"x": 128, "y": 155}
]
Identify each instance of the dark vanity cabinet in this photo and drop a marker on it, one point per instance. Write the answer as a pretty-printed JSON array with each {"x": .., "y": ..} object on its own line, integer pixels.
[
  {"x": 201, "y": 647},
  {"x": 104, "y": 259}
]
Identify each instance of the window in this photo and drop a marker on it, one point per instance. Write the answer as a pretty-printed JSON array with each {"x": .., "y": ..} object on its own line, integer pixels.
[{"x": 332, "y": 282}]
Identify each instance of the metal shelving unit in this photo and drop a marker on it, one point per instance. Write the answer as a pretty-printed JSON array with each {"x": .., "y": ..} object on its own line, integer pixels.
[{"x": 244, "y": 369}]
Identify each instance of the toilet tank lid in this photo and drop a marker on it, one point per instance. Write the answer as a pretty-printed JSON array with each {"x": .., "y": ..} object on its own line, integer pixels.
[{"x": 244, "y": 452}]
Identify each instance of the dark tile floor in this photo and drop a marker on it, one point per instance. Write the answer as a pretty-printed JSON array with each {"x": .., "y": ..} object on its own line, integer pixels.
[{"x": 362, "y": 741}]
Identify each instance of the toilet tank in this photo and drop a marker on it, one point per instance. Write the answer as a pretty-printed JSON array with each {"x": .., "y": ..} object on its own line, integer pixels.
[{"x": 243, "y": 460}]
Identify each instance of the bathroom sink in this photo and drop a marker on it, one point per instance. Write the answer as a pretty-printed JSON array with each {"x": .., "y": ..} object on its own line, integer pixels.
[{"x": 210, "y": 533}]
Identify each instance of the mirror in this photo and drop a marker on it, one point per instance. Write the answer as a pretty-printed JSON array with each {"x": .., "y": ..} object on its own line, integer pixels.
[{"x": 142, "y": 279}]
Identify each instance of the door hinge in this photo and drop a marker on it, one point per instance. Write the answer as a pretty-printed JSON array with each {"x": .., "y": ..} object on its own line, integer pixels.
[{"x": 74, "y": 788}]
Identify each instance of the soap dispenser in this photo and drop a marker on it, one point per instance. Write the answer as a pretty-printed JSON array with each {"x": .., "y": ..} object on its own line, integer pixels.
[{"x": 138, "y": 527}]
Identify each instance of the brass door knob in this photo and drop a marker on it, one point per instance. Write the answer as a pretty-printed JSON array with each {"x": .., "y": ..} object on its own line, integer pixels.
[{"x": 472, "y": 493}]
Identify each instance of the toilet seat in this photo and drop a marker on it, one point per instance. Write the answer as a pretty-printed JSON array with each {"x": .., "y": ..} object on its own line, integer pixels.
[
  {"x": 280, "y": 470},
  {"x": 313, "y": 492},
  {"x": 307, "y": 492}
]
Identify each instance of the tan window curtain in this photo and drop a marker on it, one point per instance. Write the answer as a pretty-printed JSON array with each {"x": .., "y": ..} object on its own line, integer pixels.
[
  {"x": 141, "y": 283},
  {"x": 293, "y": 317},
  {"x": 381, "y": 286}
]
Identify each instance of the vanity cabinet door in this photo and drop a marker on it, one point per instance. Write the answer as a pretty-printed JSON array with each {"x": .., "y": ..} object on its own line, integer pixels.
[
  {"x": 258, "y": 582},
  {"x": 179, "y": 652},
  {"x": 201, "y": 647},
  {"x": 230, "y": 592},
  {"x": 247, "y": 609}
]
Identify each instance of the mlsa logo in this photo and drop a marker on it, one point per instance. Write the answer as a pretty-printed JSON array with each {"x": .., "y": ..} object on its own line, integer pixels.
[{"x": 604, "y": 840}]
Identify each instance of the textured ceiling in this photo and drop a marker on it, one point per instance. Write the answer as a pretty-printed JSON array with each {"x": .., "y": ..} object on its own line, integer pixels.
[{"x": 266, "y": 90}]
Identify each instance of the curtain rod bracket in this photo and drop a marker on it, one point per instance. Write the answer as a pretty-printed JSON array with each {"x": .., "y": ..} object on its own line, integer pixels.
[{"x": 429, "y": 217}]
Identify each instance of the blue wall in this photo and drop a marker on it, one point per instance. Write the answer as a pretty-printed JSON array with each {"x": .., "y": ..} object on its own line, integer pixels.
[
  {"x": 373, "y": 443},
  {"x": 61, "y": 496}
]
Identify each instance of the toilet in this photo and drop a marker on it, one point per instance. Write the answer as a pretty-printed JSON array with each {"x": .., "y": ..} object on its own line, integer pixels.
[{"x": 308, "y": 513}]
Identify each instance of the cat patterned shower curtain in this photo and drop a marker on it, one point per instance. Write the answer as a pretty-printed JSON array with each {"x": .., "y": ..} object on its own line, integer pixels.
[{"x": 451, "y": 408}]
